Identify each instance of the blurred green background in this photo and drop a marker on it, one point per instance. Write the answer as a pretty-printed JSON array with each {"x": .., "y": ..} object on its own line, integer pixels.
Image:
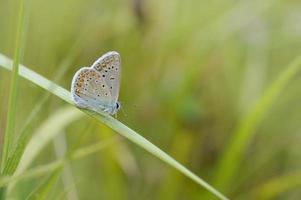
[{"x": 191, "y": 73}]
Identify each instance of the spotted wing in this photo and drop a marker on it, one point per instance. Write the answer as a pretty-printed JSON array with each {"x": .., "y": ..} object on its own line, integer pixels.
[
  {"x": 109, "y": 67},
  {"x": 89, "y": 90}
]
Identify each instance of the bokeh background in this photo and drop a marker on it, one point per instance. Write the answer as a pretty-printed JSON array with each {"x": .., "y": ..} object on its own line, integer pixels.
[{"x": 191, "y": 73}]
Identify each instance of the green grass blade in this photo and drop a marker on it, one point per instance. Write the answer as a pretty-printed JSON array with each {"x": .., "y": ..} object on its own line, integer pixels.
[
  {"x": 85, "y": 151},
  {"x": 11, "y": 112},
  {"x": 26, "y": 132},
  {"x": 231, "y": 158},
  {"x": 112, "y": 123},
  {"x": 36, "y": 172},
  {"x": 45, "y": 133},
  {"x": 277, "y": 186},
  {"x": 42, "y": 191},
  {"x": 67, "y": 178},
  {"x": 51, "y": 167},
  {"x": 37, "y": 79}
]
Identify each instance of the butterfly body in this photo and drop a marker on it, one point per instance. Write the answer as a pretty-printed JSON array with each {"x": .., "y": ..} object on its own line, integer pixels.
[{"x": 97, "y": 87}]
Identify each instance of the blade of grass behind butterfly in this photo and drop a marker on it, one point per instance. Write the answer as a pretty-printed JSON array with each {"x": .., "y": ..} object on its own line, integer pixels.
[
  {"x": 277, "y": 185},
  {"x": 12, "y": 101},
  {"x": 114, "y": 124},
  {"x": 44, "y": 188},
  {"x": 44, "y": 134},
  {"x": 11, "y": 112},
  {"x": 54, "y": 168},
  {"x": 26, "y": 131},
  {"x": 67, "y": 178},
  {"x": 48, "y": 168},
  {"x": 231, "y": 157},
  {"x": 74, "y": 153}
]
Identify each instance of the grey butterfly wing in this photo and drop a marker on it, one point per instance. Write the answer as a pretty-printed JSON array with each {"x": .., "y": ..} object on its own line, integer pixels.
[
  {"x": 109, "y": 67},
  {"x": 89, "y": 90}
]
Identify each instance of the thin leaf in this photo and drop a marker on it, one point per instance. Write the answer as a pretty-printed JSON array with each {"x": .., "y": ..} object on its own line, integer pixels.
[
  {"x": 38, "y": 171},
  {"x": 11, "y": 112},
  {"x": 245, "y": 130},
  {"x": 278, "y": 185},
  {"x": 49, "y": 129},
  {"x": 43, "y": 189},
  {"x": 26, "y": 131},
  {"x": 49, "y": 168}
]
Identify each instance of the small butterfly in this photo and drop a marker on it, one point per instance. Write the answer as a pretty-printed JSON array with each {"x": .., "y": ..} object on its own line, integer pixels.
[{"x": 97, "y": 87}]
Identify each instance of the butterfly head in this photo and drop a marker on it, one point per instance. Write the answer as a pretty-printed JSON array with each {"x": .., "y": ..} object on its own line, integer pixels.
[
  {"x": 117, "y": 106},
  {"x": 112, "y": 110}
]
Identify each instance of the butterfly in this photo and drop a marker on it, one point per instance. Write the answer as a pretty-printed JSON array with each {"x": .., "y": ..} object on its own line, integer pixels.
[{"x": 97, "y": 87}]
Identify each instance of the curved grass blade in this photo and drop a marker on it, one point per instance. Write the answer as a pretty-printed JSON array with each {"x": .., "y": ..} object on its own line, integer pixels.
[
  {"x": 45, "y": 133},
  {"x": 278, "y": 185},
  {"x": 112, "y": 123},
  {"x": 51, "y": 167},
  {"x": 244, "y": 132},
  {"x": 36, "y": 172},
  {"x": 53, "y": 126},
  {"x": 44, "y": 188}
]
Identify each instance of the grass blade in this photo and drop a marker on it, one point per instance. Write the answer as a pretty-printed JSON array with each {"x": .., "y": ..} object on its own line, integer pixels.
[
  {"x": 44, "y": 134},
  {"x": 11, "y": 112},
  {"x": 58, "y": 164},
  {"x": 26, "y": 132},
  {"x": 112, "y": 123},
  {"x": 37, "y": 171},
  {"x": 48, "y": 130},
  {"x": 230, "y": 160},
  {"x": 278, "y": 185},
  {"x": 42, "y": 191}
]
